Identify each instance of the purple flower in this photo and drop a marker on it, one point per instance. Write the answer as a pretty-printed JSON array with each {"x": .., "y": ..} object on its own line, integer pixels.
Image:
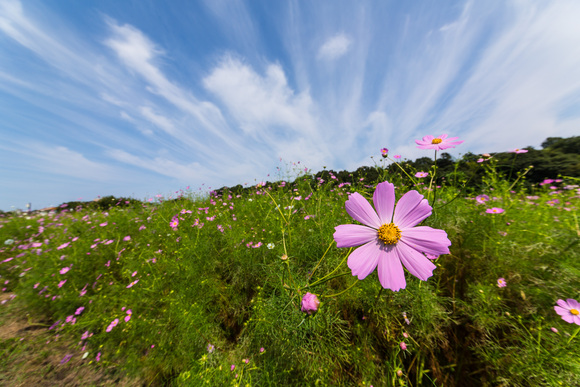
[
  {"x": 421, "y": 174},
  {"x": 569, "y": 310},
  {"x": 437, "y": 143},
  {"x": 79, "y": 310},
  {"x": 310, "y": 303},
  {"x": 501, "y": 282},
  {"x": 389, "y": 237},
  {"x": 494, "y": 210}
]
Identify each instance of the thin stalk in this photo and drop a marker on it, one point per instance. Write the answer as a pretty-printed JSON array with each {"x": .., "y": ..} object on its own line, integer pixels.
[
  {"x": 344, "y": 291},
  {"x": 320, "y": 261},
  {"x": 321, "y": 281},
  {"x": 574, "y": 335}
]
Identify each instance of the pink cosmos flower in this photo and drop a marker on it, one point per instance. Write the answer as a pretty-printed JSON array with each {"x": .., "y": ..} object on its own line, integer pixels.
[
  {"x": 482, "y": 199},
  {"x": 397, "y": 156},
  {"x": 63, "y": 246},
  {"x": 79, "y": 310},
  {"x": 127, "y": 238},
  {"x": 112, "y": 325},
  {"x": 421, "y": 174},
  {"x": 384, "y": 152},
  {"x": 569, "y": 310},
  {"x": 310, "y": 303},
  {"x": 494, "y": 210},
  {"x": 64, "y": 270},
  {"x": 403, "y": 346},
  {"x": 501, "y": 282},
  {"x": 388, "y": 237},
  {"x": 437, "y": 143},
  {"x": 518, "y": 151}
]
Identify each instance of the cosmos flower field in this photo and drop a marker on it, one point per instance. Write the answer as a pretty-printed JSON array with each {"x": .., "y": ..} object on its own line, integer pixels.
[{"x": 396, "y": 282}]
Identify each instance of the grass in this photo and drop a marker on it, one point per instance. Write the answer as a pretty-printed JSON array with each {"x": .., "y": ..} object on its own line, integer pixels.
[{"x": 215, "y": 300}]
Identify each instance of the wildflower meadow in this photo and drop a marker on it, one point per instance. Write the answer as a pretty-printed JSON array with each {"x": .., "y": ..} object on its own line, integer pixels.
[{"x": 418, "y": 276}]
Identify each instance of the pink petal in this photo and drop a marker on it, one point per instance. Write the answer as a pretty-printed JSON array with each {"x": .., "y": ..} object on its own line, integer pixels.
[
  {"x": 384, "y": 201},
  {"x": 563, "y": 304},
  {"x": 411, "y": 209},
  {"x": 572, "y": 303},
  {"x": 362, "y": 211},
  {"x": 576, "y": 319},
  {"x": 415, "y": 262},
  {"x": 561, "y": 311},
  {"x": 390, "y": 270},
  {"x": 426, "y": 239},
  {"x": 428, "y": 139},
  {"x": 350, "y": 235},
  {"x": 364, "y": 260}
]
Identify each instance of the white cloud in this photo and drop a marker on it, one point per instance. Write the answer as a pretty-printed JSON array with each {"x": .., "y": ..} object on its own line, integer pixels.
[
  {"x": 334, "y": 47},
  {"x": 158, "y": 120},
  {"x": 258, "y": 102}
]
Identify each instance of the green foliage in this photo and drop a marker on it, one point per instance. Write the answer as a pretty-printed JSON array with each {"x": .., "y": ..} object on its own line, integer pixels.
[{"x": 223, "y": 286}]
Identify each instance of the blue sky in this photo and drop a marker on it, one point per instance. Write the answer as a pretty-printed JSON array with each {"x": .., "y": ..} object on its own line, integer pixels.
[{"x": 138, "y": 98}]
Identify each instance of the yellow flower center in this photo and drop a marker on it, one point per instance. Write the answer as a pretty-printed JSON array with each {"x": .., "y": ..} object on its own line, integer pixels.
[
  {"x": 574, "y": 312},
  {"x": 389, "y": 233},
  {"x": 436, "y": 141}
]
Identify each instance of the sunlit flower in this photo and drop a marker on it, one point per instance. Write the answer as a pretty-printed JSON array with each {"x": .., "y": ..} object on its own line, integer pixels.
[
  {"x": 270, "y": 246},
  {"x": 501, "y": 282},
  {"x": 518, "y": 151},
  {"x": 384, "y": 152},
  {"x": 397, "y": 156},
  {"x": 437, "y": 143},
  {"x": 421, "y": 174},
  {"x": 64, "y": 270},
  {"x": 174, "y": 223},
  {"x": 310, "y": 303},
  {"x": 569, "y": 310},
  {"x": 494, "y": 210},
  {"x": 388, "y": 237}
]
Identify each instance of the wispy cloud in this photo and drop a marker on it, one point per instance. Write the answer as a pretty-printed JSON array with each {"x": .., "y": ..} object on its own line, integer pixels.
[
  {"x": 328, "y": 84},
  {"x": 334, "y": 47}
]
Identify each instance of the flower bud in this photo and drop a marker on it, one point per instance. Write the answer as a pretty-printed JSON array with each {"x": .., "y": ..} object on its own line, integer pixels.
[{"x": 310, "y": 303}]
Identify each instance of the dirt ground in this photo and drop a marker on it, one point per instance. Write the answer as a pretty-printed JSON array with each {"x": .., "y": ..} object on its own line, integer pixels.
[{"x": 27, "y": 360}]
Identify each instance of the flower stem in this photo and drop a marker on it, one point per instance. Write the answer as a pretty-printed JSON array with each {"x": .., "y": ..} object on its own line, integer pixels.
[{"x": 574, "y": 335}]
